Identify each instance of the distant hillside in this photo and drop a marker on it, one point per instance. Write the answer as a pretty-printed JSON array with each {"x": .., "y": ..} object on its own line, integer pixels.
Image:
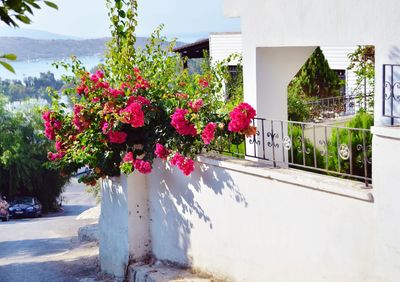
[
  {"x": 35, "y": 49},
  {"x": 6, "y": 31}
]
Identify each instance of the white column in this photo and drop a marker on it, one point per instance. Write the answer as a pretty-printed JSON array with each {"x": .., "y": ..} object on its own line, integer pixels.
[
  {"x": 124, "y": 222},
  {"x": 268, "y": 75}
]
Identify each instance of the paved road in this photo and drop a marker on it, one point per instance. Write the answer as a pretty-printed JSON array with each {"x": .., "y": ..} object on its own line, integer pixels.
[{"x": 47, "y": 249}]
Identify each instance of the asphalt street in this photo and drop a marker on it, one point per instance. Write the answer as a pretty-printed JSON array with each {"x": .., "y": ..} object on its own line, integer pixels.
[{"x": 47, "y": 248}]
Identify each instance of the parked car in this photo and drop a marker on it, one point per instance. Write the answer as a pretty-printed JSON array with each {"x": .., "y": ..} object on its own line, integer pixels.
[
  {"x": 4, "y": 213},
  {"x": 25, "y": 207}
]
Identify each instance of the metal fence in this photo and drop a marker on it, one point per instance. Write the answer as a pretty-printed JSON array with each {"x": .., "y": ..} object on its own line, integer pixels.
[
  {"x": 391, "y": 92},
  {"x": 330, "y": 150},
  {"x": 332, "y": 107}
]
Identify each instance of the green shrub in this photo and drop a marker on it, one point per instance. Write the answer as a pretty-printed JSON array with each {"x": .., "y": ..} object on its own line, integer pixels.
[
  {"x": 298, "y": 108},
  {"x": 342, "y": 137},
  {"x": 296, "y": 153},
  {"x": 23, "y": 151}
]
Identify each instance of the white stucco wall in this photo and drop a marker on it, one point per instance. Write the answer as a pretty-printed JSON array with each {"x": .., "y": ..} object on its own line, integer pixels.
[
  {"x": 260, "y": 224},
  {"x": 280, "y": 23},
  {"x": 245, "y": 221},
  {"x": 386, "y": 158}
]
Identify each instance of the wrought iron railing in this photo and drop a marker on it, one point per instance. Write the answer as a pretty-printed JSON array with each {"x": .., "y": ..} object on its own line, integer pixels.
[
  {"x": 327, "y": 149},
  {"x": 332, "y": 107},
  {"x": 391, "y": 92}
]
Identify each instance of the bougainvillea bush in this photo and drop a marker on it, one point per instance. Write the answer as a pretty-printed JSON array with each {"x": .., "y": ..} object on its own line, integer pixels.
[{"x": 140, "y": 105}]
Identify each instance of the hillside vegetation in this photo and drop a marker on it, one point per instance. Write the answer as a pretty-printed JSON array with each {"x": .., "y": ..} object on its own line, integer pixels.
[{"x": 35, "y": 49}]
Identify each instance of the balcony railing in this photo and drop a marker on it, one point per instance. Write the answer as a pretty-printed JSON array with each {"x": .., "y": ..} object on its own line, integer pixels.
[
  {"x": 330, "y": 150},
  {"x": 332, "y": 107},
  {"x": 391, "y": 92}
]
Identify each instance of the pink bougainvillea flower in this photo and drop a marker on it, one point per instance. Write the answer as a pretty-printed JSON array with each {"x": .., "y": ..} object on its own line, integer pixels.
[
  {"x": 161, "y": 152},
  {"x": 208, "y": 133},
  {"x": 55, "y": 156},
  {"x": 46, "y": 115},
  {"x": 177, "y": 159},
  {"x": 94, "y": 78},
  {"x": 182, "y": 126},
  {"x": 95, "y": 100},
  {"x": 196, "y": 105},
  {"x": 58, "y": 145},
  {"x": 128, "y": 158},
  {"x": 115, "y": 92},
  {"x": 103, "y": 84},
  {"x": 241, "y": 117},
  {"x": 133, "y": 115},
  {"x": 78, "y": 119},
  {"x": 117, "y": 137},
  {"x": 104, "y": 128},
  {"x": 203, "y": 83},
  {"x": 186, "y": 165},
  {"x": 142, "y": 166},
  {"x": 82, "y": 89},
  {"x": 51, "y": 125},
  {"x": 97, "y": 76},
  {"x": 49, "y": 132},
  {"x": 57, "y": 124},
  {"x": 138, "y": 99}
]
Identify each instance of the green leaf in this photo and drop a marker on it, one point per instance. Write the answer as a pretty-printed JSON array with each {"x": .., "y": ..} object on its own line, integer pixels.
[
  {"x": 7, "y": 66},
  {"x": 51, "y": 4},
  {"x": 122, "y": 14},
  {"x": 11, "y": 57},
  {"x": 23, "y": 19}
]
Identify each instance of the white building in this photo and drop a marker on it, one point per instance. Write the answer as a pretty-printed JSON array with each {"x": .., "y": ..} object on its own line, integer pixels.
[
  {"x": 243, "y": 220},
  {"x": 226, "y": 43},
  {"x": 221, "y": 45}
]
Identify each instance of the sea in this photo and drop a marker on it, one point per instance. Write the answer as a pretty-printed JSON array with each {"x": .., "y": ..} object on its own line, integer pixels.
[{"x": 35, "y": 67}]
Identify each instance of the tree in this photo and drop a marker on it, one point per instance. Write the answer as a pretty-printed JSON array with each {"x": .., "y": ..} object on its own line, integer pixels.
[
  {"x": 316, "y": 78},
  {"x": 363, "y": 65},
  {"x": 14, "y": 11},
  {"x": 22, "y": 156},
  {"x": 31, "y": 87}
]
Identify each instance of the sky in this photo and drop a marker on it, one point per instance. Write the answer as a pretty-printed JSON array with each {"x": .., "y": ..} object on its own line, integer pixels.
[{"x": 185, "y": 19}]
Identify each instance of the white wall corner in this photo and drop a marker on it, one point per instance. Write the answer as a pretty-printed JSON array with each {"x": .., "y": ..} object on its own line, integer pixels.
[
  {"x": 124, "y": 222},
  {"x": 113, "y": 227},
  {"x": 138, "y": 217},
  {"x": 386, "y": 179}
]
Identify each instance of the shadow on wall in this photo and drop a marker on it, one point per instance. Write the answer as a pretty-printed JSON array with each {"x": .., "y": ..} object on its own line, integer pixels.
[
  {"x": 176, "y": 209},
  {"x": 394, "y": 54}
]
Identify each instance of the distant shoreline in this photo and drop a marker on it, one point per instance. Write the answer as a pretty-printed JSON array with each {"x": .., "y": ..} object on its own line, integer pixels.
[{"x": 35, "y": 67}]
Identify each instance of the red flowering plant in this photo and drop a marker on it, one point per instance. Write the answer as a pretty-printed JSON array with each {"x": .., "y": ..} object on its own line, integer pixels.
[{"x": 140, "y": 105}]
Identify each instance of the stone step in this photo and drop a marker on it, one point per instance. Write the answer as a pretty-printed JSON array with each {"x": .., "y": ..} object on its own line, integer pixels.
[{"x": 164, "y": 273}]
